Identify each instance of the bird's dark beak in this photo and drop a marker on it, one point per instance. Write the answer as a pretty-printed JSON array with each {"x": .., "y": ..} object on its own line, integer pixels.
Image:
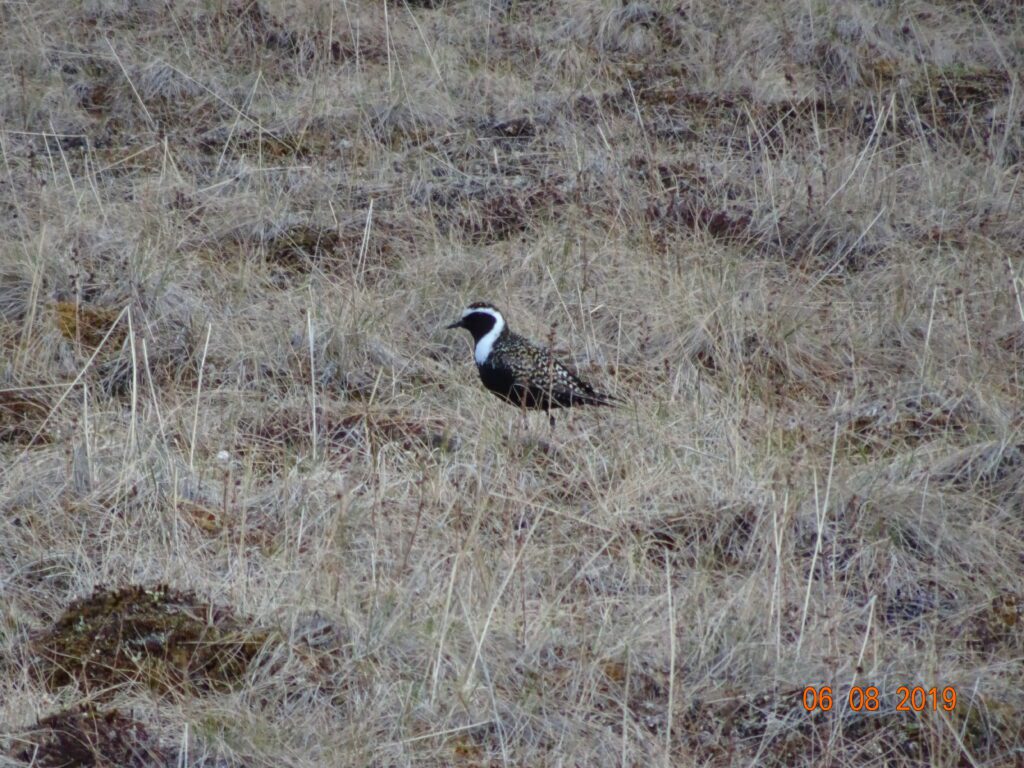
[{"x": 456, "y": 324}]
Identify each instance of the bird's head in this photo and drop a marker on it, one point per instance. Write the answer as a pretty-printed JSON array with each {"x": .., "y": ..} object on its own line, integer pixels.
[{"x": 480, "y": 319}]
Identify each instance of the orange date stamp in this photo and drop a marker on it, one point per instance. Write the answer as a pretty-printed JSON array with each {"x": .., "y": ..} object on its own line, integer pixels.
[{"x": 867, "y": 698}]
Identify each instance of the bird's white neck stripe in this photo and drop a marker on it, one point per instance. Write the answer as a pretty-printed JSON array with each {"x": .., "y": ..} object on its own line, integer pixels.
[{"x": 486, "y": 343}]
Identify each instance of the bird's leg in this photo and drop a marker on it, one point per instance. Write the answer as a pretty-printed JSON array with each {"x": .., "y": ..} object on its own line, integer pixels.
[{"x": 551, "y": 374}]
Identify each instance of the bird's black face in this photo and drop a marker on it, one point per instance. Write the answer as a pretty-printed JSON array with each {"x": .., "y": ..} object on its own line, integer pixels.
[{"x": 478, "y": 319}]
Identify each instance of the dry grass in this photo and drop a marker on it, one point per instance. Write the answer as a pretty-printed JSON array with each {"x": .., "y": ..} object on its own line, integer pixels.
[{"x": 787, "y": 233}]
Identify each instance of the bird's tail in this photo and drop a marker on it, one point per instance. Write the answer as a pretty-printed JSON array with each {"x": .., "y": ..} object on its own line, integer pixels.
[{"x": 599, "y": 398}]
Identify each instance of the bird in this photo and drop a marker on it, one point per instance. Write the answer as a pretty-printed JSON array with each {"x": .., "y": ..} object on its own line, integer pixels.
[{"x": 519, "y": 371}]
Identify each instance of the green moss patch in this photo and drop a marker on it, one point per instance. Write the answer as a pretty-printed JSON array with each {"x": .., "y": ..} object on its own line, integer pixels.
[{"x": 165, "y": 639}]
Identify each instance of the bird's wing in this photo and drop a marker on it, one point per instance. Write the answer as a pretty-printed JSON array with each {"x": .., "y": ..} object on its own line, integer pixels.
[{"x": 537, "y": 367}]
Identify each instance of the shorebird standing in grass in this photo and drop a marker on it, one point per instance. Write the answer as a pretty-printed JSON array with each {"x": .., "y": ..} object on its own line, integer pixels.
[{"x": 519, "y": 371}]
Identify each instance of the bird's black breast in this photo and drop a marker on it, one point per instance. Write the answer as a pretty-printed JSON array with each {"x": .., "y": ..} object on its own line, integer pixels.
[{"x": 502, "y": 382}]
